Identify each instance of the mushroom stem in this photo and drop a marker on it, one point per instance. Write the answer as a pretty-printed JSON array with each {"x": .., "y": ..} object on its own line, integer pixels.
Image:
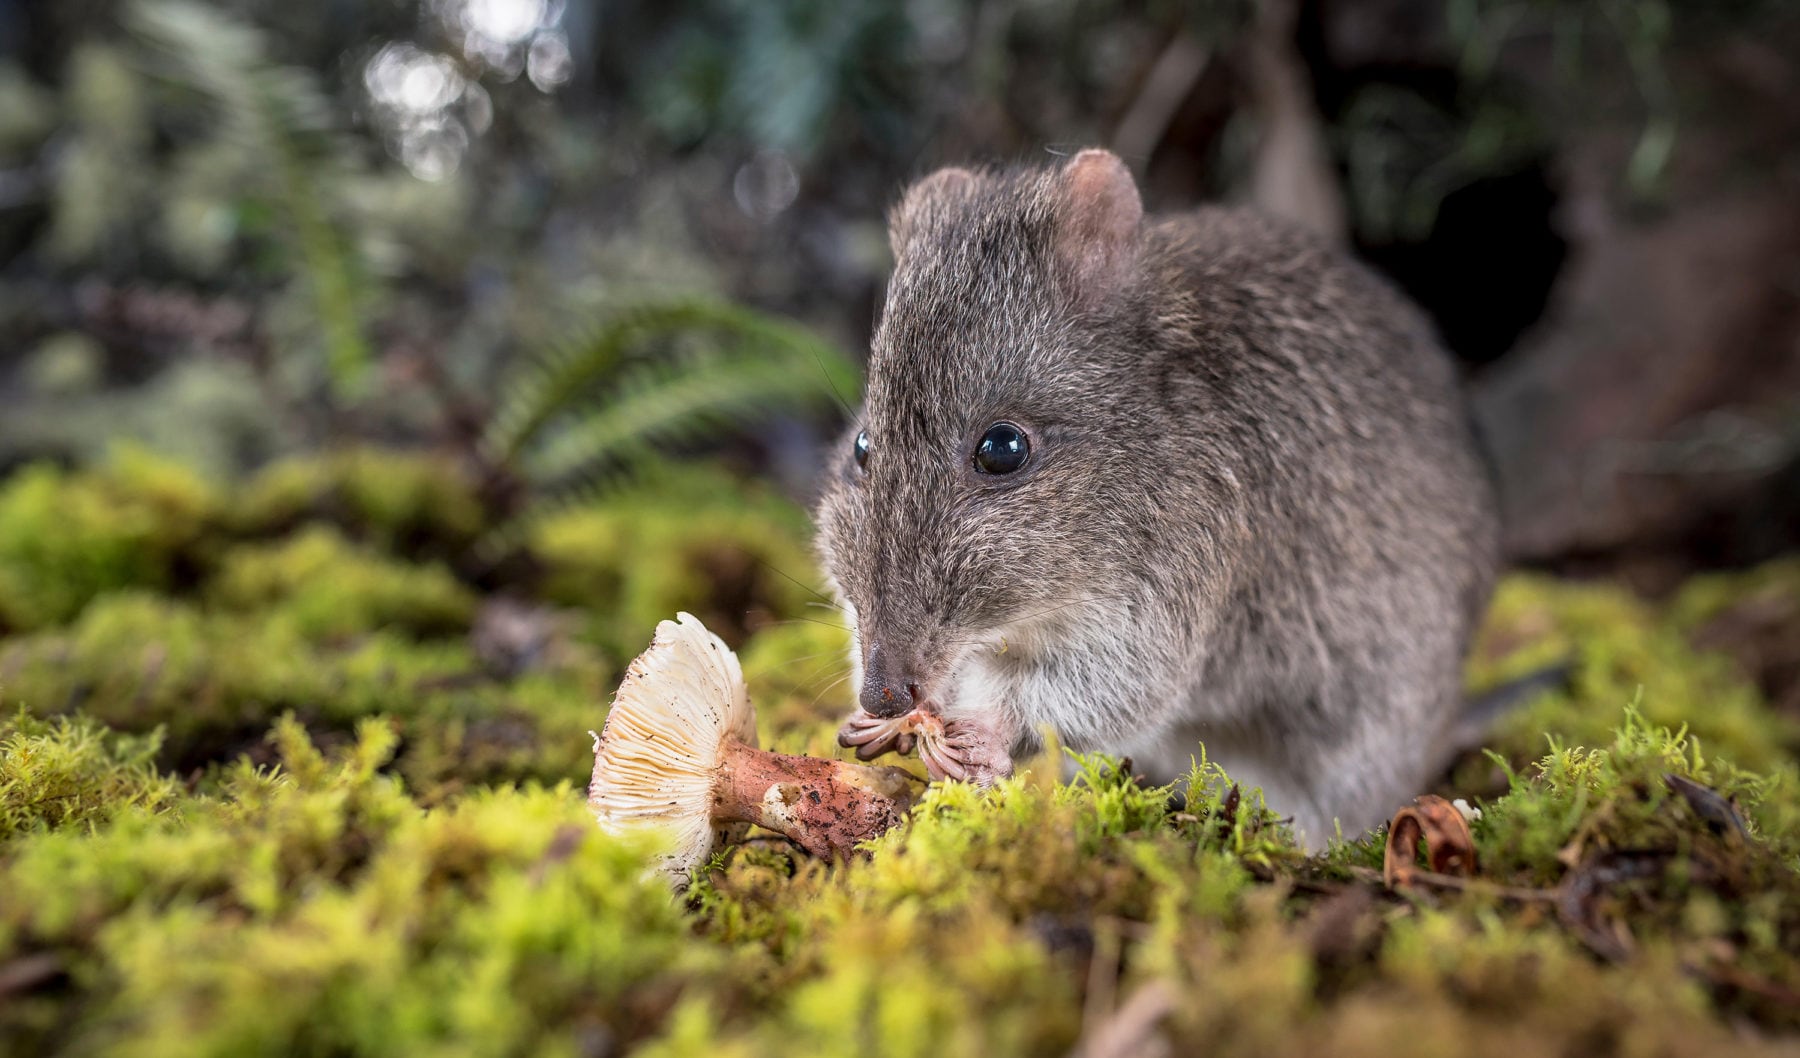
[
  {"x": 827, "y": 806},
  {"x": 679, "y": 755}
]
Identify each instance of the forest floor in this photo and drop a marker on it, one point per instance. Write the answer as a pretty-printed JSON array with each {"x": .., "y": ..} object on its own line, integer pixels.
[{"x": 282, "y": 772}]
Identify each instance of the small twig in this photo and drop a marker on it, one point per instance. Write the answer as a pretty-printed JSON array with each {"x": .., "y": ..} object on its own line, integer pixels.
[
  {"x": 1170, "y": 80},
  {"x": 1102, "y": 976},
  {"x": 1131, "y": 1030},
  {"x": 1717, "y": 975},
  {"x": 1292, "y": 176},
  {"x": 563, "y": 844},
  {"x": 28, "y": 972},
  {"x": 1465, "y": 885}
]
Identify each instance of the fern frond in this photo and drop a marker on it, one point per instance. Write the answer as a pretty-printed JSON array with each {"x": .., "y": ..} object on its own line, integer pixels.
[
  {"x": 597, "y": 414},
  {"x": 280, "y": 116},
  {"x": 564, "y": 379},
  {"x": 671, "y": 404}
]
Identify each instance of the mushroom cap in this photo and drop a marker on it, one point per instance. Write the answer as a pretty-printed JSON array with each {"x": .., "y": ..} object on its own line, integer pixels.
[{"x": 657, "y": 761}]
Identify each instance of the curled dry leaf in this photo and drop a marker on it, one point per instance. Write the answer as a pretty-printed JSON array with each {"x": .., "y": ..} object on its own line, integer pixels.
[
  {"x": 1449, "y": 846},
  {"x": 1228, "y": 811},
  {"x": 1715, "y": 808}
]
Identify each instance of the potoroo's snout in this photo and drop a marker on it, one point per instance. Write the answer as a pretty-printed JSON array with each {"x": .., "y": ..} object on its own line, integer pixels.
[{"x": 893, "y": 682}]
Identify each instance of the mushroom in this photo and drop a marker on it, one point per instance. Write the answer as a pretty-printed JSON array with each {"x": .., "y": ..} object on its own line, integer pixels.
[{"x": 678, "y": 754}]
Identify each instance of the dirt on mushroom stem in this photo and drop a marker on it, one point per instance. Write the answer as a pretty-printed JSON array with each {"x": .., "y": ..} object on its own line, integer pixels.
[{"x": 827, "y": 806}]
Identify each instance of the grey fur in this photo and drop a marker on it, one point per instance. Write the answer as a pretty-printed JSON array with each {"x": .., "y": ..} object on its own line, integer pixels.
[{"x": 1253, "y": 516}]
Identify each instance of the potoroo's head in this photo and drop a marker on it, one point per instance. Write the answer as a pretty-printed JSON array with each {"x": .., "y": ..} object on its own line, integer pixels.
[{"x": 1003, "y": 467}]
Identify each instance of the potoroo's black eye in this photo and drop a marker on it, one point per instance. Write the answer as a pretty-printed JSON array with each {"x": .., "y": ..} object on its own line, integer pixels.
[
  {"x": 861, "y": 448},
  {"x": 1003, "y": 449}
]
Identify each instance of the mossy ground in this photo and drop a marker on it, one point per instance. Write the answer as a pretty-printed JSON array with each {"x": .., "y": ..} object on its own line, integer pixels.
[{"x": 277, "y": 777}]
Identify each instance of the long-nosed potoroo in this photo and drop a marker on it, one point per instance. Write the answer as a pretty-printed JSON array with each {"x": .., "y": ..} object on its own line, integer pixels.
[{"x": 1154, "y": 482}]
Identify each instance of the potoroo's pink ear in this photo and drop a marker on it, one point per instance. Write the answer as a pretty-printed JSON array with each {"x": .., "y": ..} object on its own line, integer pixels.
[
  {"x": 1098, "y": 213},
  {"x": 922, "y": 201}
]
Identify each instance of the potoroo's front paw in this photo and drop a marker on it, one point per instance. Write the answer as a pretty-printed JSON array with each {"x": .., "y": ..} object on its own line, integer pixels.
[
  {"x": 872, "y": 735},
  {"x": 963, "y": 748},
  {"x": 975, "y": 750}
]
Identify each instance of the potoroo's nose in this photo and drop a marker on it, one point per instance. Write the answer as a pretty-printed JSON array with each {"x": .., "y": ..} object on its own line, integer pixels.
[{"x": 891, "y": 681}]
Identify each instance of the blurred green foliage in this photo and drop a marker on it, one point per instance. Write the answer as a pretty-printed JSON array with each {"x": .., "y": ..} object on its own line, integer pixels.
[
  {"x": 737, "y": 557},
  {"x": 276, "y": 124},
  {"x": 364, "y": 223},
  {"x": 1621, "y": 645},
  {"x": 413, "y": 500},
  {"x": 65, "y": 538},
  {"x": 201, "y": 149},
  {"x": 330, "y": 589}
]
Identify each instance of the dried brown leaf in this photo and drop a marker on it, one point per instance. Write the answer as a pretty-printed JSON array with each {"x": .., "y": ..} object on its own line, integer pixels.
[
  {"x": 1449, "y": 846},
  {"x": 1715, "y": 808}
]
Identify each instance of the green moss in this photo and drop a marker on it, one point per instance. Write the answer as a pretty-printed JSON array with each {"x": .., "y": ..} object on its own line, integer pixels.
[
  {"x": 135, "y": 661},
  {"x": 65, "y": 538},
  {"x": 732, "y": 554},
  {"x": 1774, "y": 585},
  {"x": 1619, "y": 647},
  {"x": 73, "y": 773},
  {"x": 214, "y": 682},
  {"x": 316, "y": 908},
  {"x": 419, "y": 501},
  {"x": 329, "y": 588},
  {"x": 1675, "y": 871},
  {"x": 1615, "y": 795},
  {"x": 404, "y": 864},
  {"x": 1501, "y": 989},
  {"x": 1073, "y": 896},
  {"x": 533, "y": 729}
]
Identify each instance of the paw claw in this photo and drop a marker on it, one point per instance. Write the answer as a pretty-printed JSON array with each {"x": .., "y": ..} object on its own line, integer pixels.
[
  {"x": 970, "y": 750},
  {"x": 871, "y": 736},
  {"x": 940, "y": 764}
]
